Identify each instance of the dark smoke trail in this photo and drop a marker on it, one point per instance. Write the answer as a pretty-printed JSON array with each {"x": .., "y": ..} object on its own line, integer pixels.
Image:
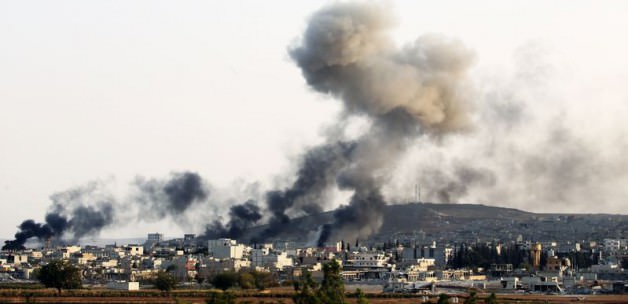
[
  {"x": 89, "y": 220},
  {"x": 242, "y": 217},
  {"x": 81, "y": 211},
  {"x": 28, "y": 229},
  {"x": 85, "y": 211},
  {"x": 74, "y": 213},
  {"x": 350, "y": 220},
  {"x": 173, "y": 196},
  {"x": 57, "y": 223},
  {"x": 317, "y": 173}
]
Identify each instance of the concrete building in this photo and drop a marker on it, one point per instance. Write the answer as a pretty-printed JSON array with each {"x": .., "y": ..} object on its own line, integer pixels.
[
  {"x": 225, "y": 249},
  {"x": 155, "y": 237},
  {"x": 612, "y": 245},
  {"x": 265, "y": 257},
  {"x": 152, "y": 240},
  {"x": 510, "y": 283},
  {"x": 210, "y": 266},
  {"x": 82, "y": 258},
  {"x": 367, "y": 259},
  {"x": 135, "y": 250},
  {"x": 440, "y": 254},
  {"x": 16, "y": 258}
]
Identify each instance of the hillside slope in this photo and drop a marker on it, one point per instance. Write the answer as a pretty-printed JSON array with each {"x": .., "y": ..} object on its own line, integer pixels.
[{"x": 468, "y": 222}]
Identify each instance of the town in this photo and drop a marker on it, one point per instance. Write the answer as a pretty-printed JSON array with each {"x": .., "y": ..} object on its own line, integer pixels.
[{"x": 397, "y": 266}]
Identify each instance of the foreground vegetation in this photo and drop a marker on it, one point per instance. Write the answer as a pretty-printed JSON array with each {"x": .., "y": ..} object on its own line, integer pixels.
[{"x": 60, "y": 283}]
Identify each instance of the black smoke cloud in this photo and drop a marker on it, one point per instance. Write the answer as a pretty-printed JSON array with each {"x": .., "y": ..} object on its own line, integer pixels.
[
  {"x": 85, "y": 211},
  {"x": 174, "y": 196},
  {"x": 28, "y": 229},
  {"x": 317, "y": 173},
  {"x": 241, "y": 218},
  {"x": 74, "y": 214}
]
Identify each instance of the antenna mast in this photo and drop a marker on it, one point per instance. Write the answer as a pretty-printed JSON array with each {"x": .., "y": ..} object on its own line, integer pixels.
[{"x": 417, "y": 193}]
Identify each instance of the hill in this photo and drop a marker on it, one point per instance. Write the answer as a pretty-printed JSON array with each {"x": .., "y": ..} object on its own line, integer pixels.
[{"x": 469, "y": 222}]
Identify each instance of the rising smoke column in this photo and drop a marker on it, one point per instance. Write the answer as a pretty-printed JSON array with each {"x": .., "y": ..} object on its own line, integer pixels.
[
  {"x": 241, "y": 218},
  {"x": 74, "y": 213},
  {"x": 419, "y": 89},
  {"x": 81, "y": 211},
  {"x": 85, "y": 211},
  {"x": 317, "y": 173},
  {"x": 28, "y": 229}
]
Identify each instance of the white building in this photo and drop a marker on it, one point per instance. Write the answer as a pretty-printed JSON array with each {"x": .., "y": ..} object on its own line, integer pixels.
[
  {"x": 266, "y": 257},
  {"x": 135, "y": 250},
  {"x": 422, "y": 264},
  {"x": 225, "y": 249},
  {"x": 368, "y": 259}
]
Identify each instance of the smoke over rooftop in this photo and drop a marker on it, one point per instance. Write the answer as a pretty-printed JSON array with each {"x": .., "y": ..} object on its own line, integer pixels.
[
  {"x": 85, "y": 211},
  {"x": 241, "y": 218}
]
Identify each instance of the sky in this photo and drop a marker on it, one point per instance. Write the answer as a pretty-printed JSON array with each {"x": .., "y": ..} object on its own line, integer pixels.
[{"x": 111, "y": 90}]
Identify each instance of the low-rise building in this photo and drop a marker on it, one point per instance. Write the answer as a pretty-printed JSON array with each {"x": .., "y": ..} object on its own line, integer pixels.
[{"x": 225, "y": 249}]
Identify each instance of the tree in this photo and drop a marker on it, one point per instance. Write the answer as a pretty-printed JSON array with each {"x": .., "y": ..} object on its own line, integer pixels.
[
  {"x": 225, "y": 280},
  {"x": 332, "y": 288},
  {"x": 472, "y": 299},
  {"x": 264, "y": 280},
  {"x": 492, "y": 299},
  {"x": 221, "y": 298},
  {"x": 164, "y": 281},
  {"x": 246, "y": 280},
  {"x": 361, "y": 297},
  {"x": 306, "y": 288},
  {"x": 199, "y": 278},
  {"x": 60, "y": 275},
  {"x": 443, "y": 298}
]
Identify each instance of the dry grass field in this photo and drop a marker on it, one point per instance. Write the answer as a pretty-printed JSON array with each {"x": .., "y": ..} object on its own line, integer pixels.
[
  {"x": 609, "y": 299},
  {"x": 275, "y": 296}
]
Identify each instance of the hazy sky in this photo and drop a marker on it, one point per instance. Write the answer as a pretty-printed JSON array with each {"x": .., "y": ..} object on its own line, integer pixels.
[{"x": 108, "y": 90}]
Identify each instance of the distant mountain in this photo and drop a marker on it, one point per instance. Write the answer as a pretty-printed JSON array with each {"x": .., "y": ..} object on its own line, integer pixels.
[{"x": 469, "y": 222}]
